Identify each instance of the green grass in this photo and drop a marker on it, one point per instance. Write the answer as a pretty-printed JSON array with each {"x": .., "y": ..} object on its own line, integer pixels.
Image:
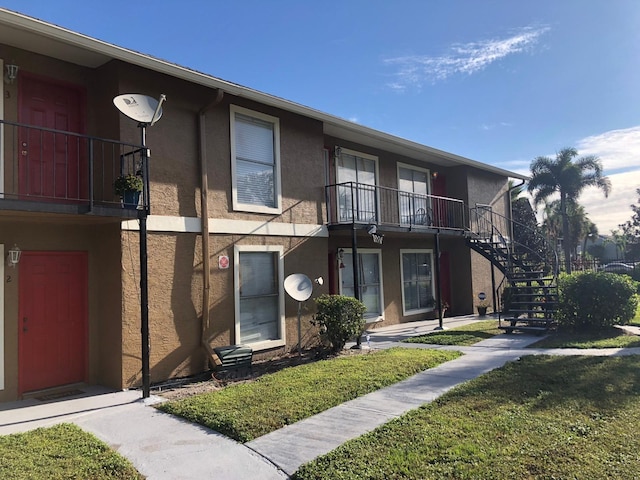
[
  {"x": 250, "y": 410},
  {"x": 607, "y": 338},
  {"x": 462, "y": 336},
  {"x": 60, "y": 452},
  {"x": 540, "y": 418}
]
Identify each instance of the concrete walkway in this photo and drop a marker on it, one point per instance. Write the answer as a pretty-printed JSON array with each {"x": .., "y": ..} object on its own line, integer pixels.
[{"x": 165, "y": 447}]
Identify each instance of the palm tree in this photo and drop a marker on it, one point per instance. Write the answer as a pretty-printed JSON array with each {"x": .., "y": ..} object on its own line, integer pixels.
[
  {"x": 568, "y": 177},
  {"x": 620, "y": 241}
]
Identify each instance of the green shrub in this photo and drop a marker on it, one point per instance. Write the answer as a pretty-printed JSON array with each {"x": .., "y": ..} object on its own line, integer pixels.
[
  {"x": 339, "y": 318},
  {"x": 593, "y": 300}
]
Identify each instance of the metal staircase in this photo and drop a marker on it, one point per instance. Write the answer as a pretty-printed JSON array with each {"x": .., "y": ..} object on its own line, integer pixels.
[{"x": 528, "y": 294}]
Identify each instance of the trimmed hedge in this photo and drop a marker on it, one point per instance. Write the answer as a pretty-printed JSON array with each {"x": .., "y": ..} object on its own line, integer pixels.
[
  {"x": 339, "y": 318},
  {"x": 594, "y": 300}
]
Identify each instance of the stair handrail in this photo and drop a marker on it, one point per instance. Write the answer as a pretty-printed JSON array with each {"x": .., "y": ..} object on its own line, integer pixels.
[{"x": 544, "y": 252}]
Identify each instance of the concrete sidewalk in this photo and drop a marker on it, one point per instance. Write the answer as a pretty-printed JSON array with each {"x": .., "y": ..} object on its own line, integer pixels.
[
  {"x": 165, "y": 447},
  {"x": 294, "y": 445},
  {"x": 159, "y": 445}
]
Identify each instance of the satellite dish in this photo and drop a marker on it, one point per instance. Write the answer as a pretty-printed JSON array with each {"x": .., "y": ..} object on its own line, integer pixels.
[
  {"x": 140, "y": 108},
  {"x": 298, "y": 286}
]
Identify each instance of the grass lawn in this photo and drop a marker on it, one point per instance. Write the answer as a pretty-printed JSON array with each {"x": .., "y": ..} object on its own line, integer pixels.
[
  {"x": 541, "y": 417},
  {"x": 463, "y": 336},
  {"x": 64, "y": 451},
  {"x": 250, "y": 410},
  {"x": 608, "y": 338}
]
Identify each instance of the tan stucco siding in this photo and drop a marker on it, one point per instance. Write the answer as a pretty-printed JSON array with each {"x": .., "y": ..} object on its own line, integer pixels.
[
  {"x": 301, "y": 255},
  {"x": 302, "y": 166},
  {"x": 101, "y": 243},
  {"x": 175, "y": 299},
  {"x": 174, "y": 287}
]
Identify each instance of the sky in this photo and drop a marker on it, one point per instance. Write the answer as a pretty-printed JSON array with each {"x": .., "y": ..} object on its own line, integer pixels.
[{"x": 498, "y": 81}]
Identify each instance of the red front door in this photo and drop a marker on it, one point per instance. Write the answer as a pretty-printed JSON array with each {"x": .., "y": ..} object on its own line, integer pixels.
[
  {"x": 52, "y": 327},
  {"x": 51, "y": 165}
]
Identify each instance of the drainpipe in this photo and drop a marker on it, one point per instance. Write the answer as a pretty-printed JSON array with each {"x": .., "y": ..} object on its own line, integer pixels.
[{"x": 204, "y": 215}]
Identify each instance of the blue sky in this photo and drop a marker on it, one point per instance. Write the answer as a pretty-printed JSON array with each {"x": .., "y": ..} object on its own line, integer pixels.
[{"x": 501, "y": 82}]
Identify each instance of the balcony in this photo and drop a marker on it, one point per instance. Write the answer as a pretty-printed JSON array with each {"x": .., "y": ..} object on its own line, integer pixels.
[
  {"x": 55, "y": 171},
  {"x": 357, "y": 203}
]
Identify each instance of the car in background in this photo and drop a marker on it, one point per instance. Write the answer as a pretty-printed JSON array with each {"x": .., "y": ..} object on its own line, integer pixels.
[{"x": 616, "y": 267}]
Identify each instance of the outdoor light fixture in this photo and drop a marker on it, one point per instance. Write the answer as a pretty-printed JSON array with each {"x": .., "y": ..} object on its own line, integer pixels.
[
  {"x": 12, "y": 73},
  {"x": 434, "y": 175},
  {"x": 372, "y": 230},
  {"x": 337, "y": 151},
  {"x": 319, "y": 281},
  {"x": 14, "y": 256},
  {"x": 340, "y": 257}
]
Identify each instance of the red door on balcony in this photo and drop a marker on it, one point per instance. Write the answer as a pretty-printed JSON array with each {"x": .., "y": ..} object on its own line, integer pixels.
[
  {"x": 52, "y": 332},
  {"x": 52, "y": 166}
]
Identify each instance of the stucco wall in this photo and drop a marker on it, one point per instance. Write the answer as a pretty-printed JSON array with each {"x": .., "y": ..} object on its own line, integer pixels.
[
  {"x": 175, "y": 299},
  {"x": 37, "y": 233}
]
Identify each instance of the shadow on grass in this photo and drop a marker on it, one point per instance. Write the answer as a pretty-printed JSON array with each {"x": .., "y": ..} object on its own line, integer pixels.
[
  {"x": 549, "y": 382},
  {"x": 610, "y": 337}
]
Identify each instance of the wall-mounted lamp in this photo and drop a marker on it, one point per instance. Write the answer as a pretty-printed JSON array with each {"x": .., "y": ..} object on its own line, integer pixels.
[
  {"x": 434, "y": 175},
  {"x": 337, "y": 151},
  {"x": 12, "y": 72},
  {"x": 372, "y": 230},
  {"x": 319, "y": 281},
  {"x": 340, "y": 257},
  {"x": 14, "y": 256}
]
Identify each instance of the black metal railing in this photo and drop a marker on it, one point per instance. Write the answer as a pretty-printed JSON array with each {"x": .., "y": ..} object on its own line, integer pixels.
[
  {"x": 352, "y": 202},
  {"x": 52, "y": 166}
]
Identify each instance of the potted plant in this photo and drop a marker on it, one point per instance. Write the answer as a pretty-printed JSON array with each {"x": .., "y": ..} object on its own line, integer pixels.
[
  {"x": 128, "y": 187},
  {"x": 482, "y": 306}
]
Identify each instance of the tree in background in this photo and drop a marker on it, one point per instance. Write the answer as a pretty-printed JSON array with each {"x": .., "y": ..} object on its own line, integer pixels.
[
  {"x": 590, "y": 233},
  {"x": 620, "y": 242},
  {"x": 631, "y": 229},
  {"x": 567, "y": 176}
]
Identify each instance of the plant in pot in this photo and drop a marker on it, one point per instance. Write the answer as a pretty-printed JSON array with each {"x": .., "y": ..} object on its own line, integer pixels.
[
  {"x": 128, "y": 187},
  {"x": 482, "y": 306}
]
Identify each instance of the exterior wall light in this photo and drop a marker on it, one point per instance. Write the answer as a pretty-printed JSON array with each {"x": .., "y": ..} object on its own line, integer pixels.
[
  {"x": 14, "y": 256},
  {"x": 12, "y": 73}
]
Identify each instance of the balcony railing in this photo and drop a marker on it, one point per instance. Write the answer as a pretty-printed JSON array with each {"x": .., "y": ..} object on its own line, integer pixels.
[
  {"x": 57, "y": 171},
  {"x": 352, "y": 202}
]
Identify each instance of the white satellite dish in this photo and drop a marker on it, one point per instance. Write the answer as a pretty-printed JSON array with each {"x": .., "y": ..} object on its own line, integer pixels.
[
  {"x": 298, "y": 286},
  {"x": 140, "y": 108}
]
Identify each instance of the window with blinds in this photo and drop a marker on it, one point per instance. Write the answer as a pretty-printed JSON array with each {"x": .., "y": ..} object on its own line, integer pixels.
[
  {"x": 255, "y": 161},
  {"x": 417, "y": 281},
  {"x": 369, "y": 280},
  {"x": 259, "y": 297}
]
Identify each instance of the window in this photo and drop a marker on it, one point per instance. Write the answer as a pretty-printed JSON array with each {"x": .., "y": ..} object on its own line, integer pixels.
[
  {"x": 369, "y": 279},
  {"x": 259, "y": 299},
  {"x": 255, "y": 161},
  {"x": 357, "y": 199},
  {"x": 417, "y": 281},
  {"x": 413, "y": 183}
]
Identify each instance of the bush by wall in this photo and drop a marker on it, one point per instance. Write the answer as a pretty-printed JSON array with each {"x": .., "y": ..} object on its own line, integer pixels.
[
  {"x": 593, "y": 300},
  {"x": 339, "y": 318}
]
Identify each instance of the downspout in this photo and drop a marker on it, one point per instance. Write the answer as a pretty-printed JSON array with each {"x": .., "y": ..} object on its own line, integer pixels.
[{"x": 204, "y": 215}]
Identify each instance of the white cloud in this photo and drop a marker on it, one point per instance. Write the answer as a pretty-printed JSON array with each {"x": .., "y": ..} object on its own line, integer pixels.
[
  {"x": 609, "y": 213},
  {"x": 469, "y": 58},
  {"x": 619, "y": 151}
]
